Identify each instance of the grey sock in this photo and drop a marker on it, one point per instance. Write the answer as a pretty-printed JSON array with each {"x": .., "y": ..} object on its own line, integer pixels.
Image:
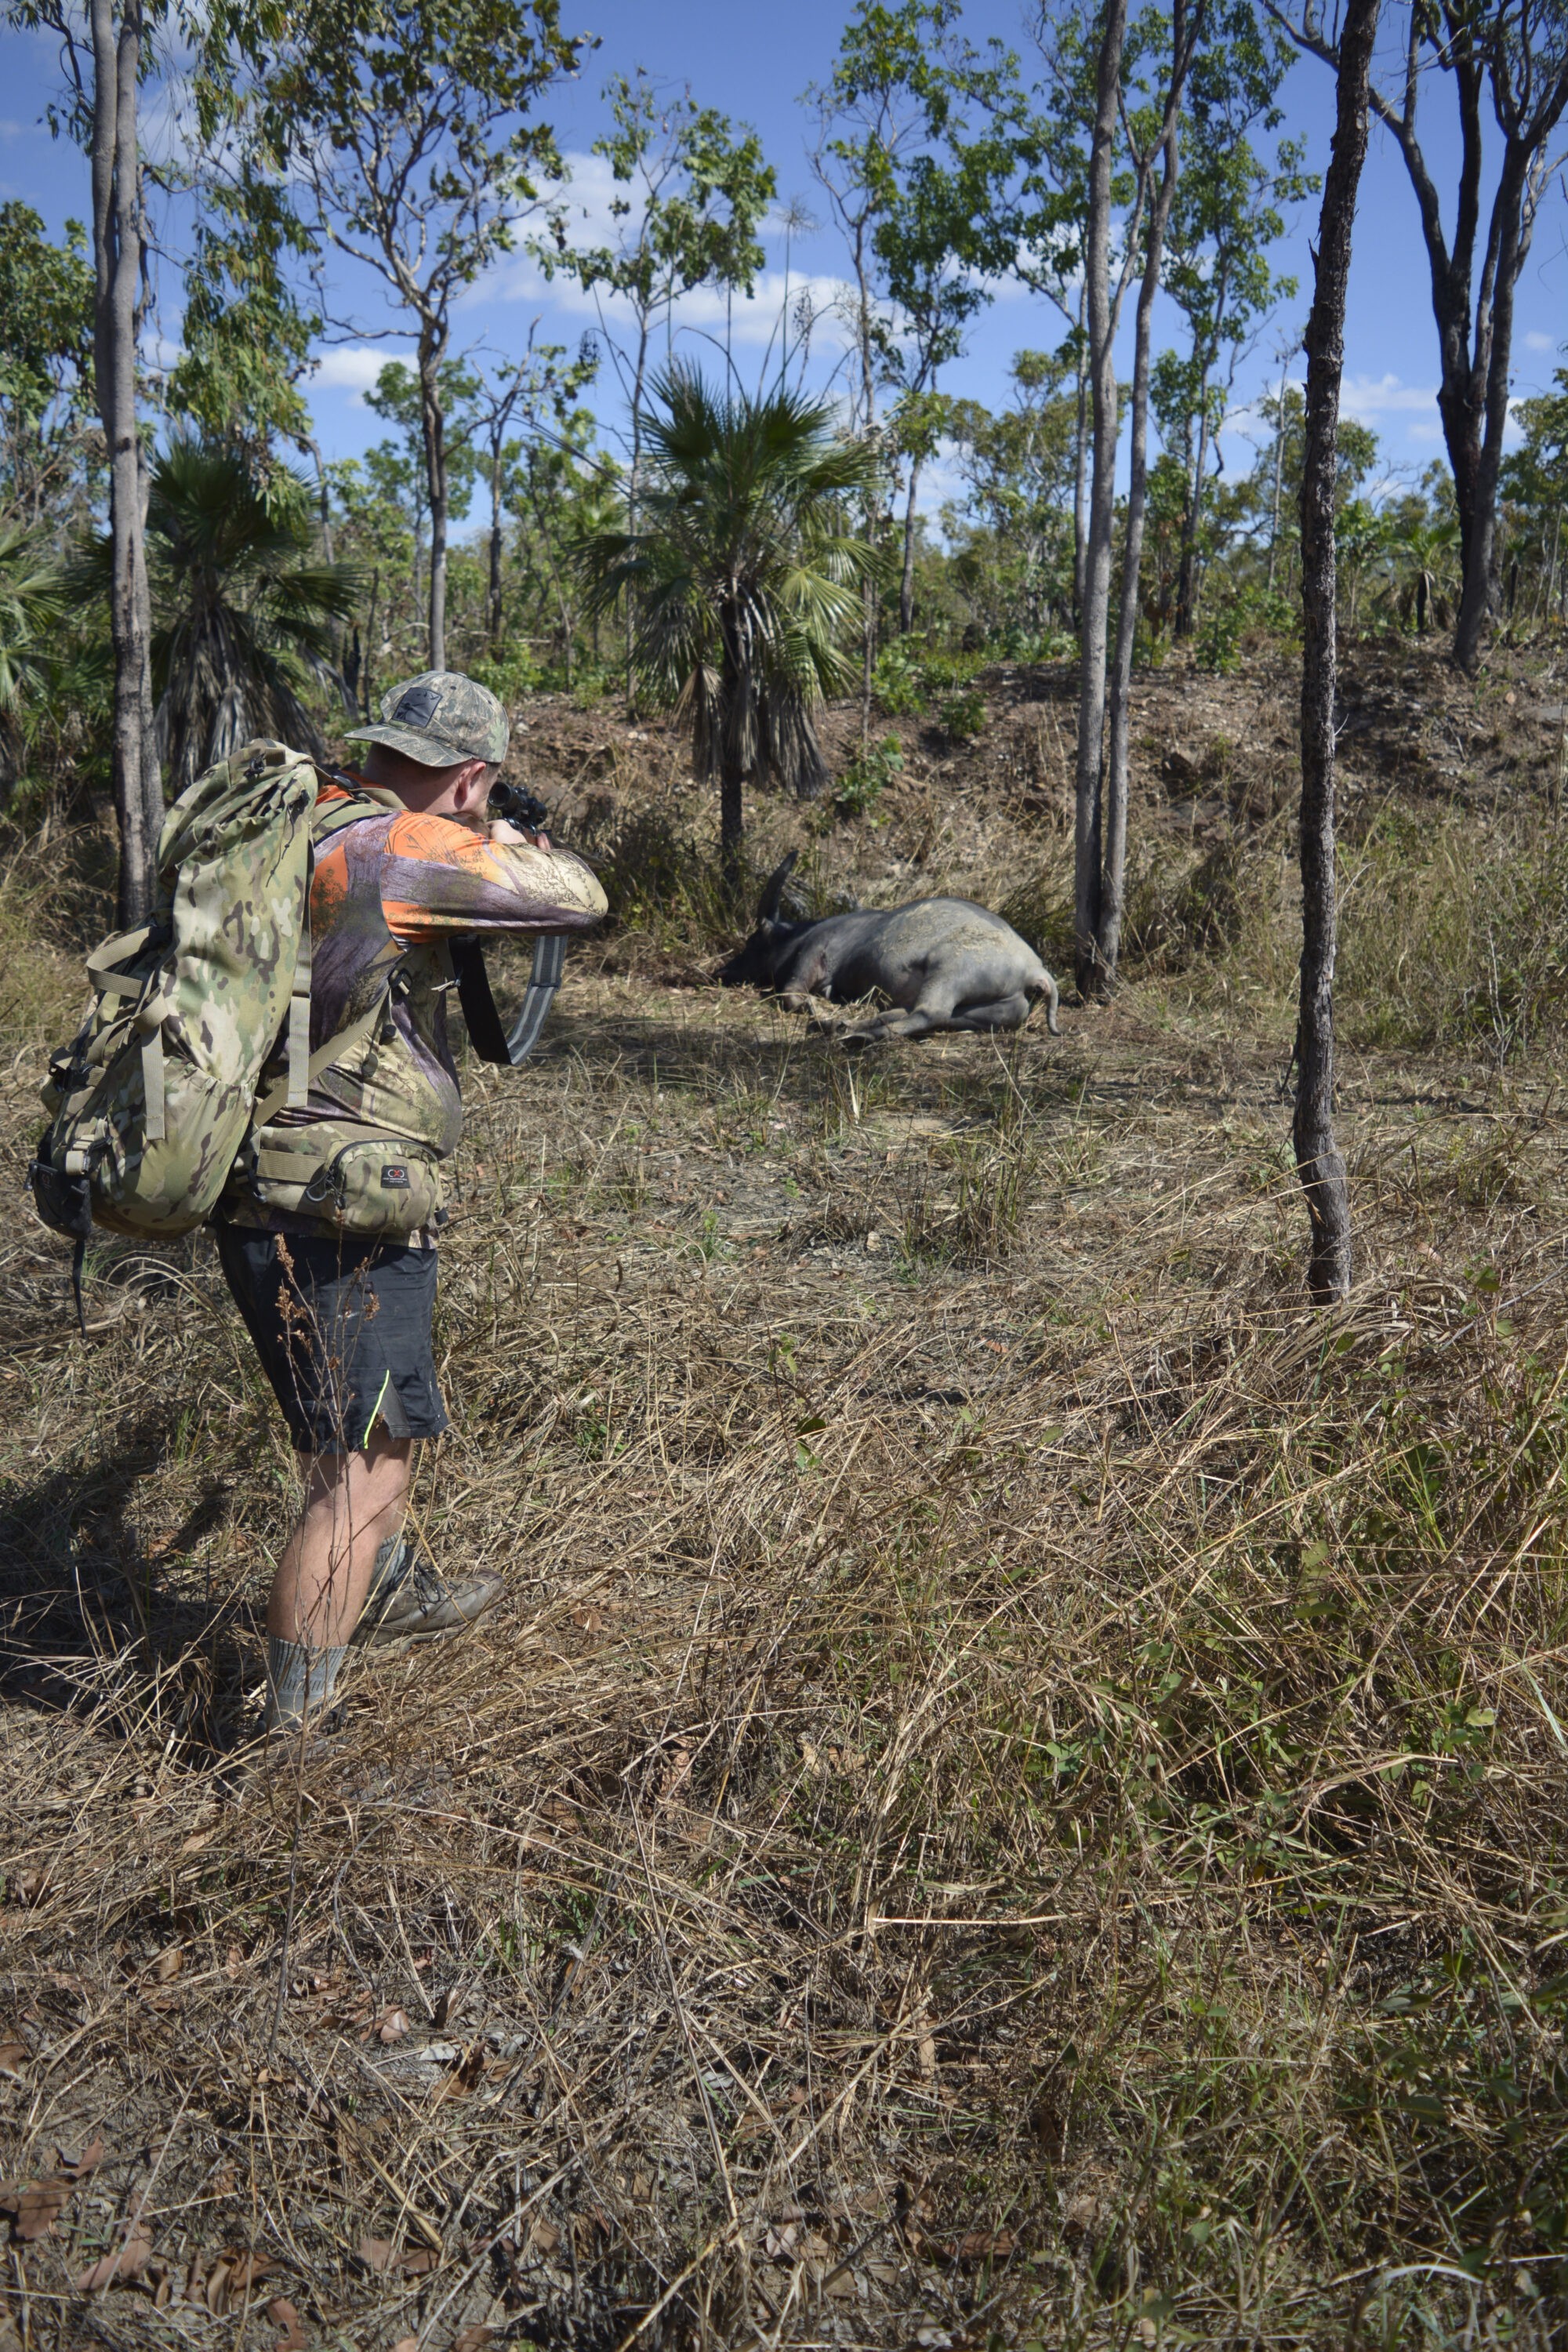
[{"x": 299, "y": 1679}]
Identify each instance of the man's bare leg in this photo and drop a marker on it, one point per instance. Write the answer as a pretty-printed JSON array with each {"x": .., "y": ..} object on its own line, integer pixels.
[{"x": 353, "y": 1502}]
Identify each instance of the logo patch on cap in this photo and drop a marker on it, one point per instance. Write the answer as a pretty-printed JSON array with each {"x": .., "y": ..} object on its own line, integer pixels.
[{"x": 418, "y": 706}]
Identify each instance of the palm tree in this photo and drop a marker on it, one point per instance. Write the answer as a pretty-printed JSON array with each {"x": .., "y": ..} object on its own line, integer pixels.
[
  {"x": 744, "y": 574},
  {"x": 242, "y": 607}
]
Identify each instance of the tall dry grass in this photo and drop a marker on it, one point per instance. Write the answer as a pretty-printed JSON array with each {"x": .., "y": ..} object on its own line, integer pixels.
[{"x": 1016, "y": 1796}]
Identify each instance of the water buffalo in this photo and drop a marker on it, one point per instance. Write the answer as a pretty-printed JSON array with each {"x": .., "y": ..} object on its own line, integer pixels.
[{"x": 943, "y": 963}]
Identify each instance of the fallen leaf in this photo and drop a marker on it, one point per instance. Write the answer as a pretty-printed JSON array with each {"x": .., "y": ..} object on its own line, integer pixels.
[
  {"x": 543, "y": 2237},
  {"x": 116, "y": 2268},
  {"x": 89, "y": 2160},
  {"x": 281, "y": 2312},
  {"x": 168, "y": 1964},
  {"x": 381, "y": 2255},
  {"x": 33, "y": 2207},
  {"x": 214, "y": 2292},
  {"x": 194, "y": 1844},
  {"x": 13, "y": 2058},
  {"x": 407, "y": 2344},
  {"x": 246, "y": 2269},
  {"x": 983, "y": 2245},
  {"x": 473, "y": 2339},
  {"x": 233, "y": 1961},
  {"x": 392, "y": 2026}
]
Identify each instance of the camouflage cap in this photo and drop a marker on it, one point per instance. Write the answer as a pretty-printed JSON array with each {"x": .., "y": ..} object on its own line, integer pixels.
[{"x": 439, "y": 718}]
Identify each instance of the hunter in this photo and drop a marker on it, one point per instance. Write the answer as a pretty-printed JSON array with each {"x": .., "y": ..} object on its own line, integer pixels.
[{"x": 327, "y": 1231}]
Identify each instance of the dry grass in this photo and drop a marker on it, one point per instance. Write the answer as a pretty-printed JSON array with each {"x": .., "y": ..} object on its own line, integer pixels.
[{"x": 1017, "y": 1795}]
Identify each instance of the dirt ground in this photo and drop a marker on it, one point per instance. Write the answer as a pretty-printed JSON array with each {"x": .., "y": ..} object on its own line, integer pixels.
[{"x": 1015, "y": 1795}]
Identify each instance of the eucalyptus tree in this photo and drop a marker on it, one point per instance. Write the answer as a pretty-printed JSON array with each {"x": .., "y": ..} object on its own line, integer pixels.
[
  {"x": 107, "y": 51},
  {"x": 1226, "y": 217},
  {"x": 744, "y": 572},
  {"x": 537, "y": 395},
  {"x": 46, "y": 369},
  {"x": 1151, "y": 133},
  {"x": 406, "y": 132},
  {"x": 691, "y": 194},
  {"x": 1319, "y": 1161},
  {"x": 942, "y": 240},
  {"x": 1507, "y": 58}
]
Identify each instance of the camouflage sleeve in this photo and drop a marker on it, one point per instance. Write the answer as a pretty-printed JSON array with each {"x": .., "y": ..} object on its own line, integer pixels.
[{"x": 438, "y": 879}]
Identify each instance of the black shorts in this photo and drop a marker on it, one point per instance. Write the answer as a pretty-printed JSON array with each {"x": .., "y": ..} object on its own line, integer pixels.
[{"x": 342, "y": 1329}]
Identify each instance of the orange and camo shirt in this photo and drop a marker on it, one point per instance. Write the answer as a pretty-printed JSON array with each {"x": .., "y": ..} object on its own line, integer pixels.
[{"x": 390, "y": 892}]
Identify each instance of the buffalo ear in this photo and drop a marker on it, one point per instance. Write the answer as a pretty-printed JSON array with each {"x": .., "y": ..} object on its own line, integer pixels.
[{"x": 772, "y": 899}]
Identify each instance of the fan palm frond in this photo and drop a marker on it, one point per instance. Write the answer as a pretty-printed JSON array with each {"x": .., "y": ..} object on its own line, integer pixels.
[
  {"x": 744, "y": 575},
  {"x": 242, "y": 607}
]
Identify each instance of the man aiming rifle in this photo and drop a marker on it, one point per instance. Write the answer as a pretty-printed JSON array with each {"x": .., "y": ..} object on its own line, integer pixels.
[{"x": 327, "y": 1228}]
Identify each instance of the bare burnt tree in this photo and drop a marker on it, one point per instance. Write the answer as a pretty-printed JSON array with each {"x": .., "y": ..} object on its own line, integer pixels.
[
  {"x": 1319, "y": 1162},
  {"x": 1516, "y": 53}
]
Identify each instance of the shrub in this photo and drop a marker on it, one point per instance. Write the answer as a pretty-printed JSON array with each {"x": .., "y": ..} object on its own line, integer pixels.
[
  {"x": 862, "y": 783},
  {"x": 964, "y": 715},
  {"x": 896, "y": 682}
]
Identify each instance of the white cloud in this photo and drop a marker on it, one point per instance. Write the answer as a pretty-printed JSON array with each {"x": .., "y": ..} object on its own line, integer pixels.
[
  {"x": 1538, "y": 342},
  {"x": 1368, "y": 398},
  {"x": 353, "y": 367}
]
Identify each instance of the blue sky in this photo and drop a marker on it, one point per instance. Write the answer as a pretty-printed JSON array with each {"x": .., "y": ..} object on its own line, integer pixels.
[{"x": 752, "y": 61}]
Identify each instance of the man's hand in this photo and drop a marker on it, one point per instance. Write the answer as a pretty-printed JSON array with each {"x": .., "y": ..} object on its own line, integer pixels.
[{"x": 507, "y": 835}]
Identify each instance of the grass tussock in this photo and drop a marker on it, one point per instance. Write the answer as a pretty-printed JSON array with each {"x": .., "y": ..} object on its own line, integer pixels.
[{"x": 1016, "y": 1795}]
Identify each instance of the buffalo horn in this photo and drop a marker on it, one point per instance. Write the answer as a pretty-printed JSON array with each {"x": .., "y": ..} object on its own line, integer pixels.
[{"x": 773, "y": 890}]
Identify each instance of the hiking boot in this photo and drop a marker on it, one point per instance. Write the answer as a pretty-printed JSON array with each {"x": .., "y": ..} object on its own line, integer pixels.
[{"x": 408, "y": 1601}]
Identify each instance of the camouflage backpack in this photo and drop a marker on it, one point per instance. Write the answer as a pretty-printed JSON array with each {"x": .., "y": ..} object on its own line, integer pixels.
[{"x": 155, "y": 1094}]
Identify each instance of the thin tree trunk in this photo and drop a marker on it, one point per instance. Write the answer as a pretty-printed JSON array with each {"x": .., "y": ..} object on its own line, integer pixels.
[
  {"x": 1317, "y": 1159},
  {"x": 634, "y": 483},
  {"x": 1187, "y": 571},
  {"x": 1114, "y": 886},
  {"x": 435, "y": 426},
  {"x": 1102, "y": 511},
  {"x": 1480, "y": 598},
  {"x": 1279, "y": 472},
  {"x": 906, "y": 577},
  {"x": 117, "y": 259},
  {"x": 495, "y": 613},
  {"x": 1080, "y": 466}
]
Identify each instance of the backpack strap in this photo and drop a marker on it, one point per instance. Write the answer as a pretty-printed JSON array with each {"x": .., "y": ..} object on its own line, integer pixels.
[
  {"x": 298, "y": 1048},
  {"x": 280, "y": 1095}
]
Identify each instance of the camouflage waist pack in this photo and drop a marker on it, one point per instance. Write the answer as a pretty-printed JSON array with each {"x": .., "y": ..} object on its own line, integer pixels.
[{"x": 157, "y": 1091}]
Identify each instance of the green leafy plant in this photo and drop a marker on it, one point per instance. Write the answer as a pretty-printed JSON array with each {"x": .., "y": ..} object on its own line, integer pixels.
[
  {"x": 865, "y": 779},
  {"x": 964, "y": 715}
]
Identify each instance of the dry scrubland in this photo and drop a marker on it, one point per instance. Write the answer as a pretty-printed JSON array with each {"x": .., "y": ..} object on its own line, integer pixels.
[{"x": 1017, "y": 1797}]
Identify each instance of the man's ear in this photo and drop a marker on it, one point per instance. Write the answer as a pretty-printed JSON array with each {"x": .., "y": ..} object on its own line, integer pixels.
[{"x": 472, "y": 788}]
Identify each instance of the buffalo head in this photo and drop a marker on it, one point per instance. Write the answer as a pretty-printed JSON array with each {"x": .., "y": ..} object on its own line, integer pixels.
[{"x": 756, "y": 963}]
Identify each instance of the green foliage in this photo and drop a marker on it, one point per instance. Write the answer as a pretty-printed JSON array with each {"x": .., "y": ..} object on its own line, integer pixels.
[
  {"x": 963, "y": 716},
  {"x": 896, "y": 682},
  {"x": 46, "y": 381},
  {"x": 696, "y": 196},
  {"x": 242, "y": 608},
  {"x": 866, "y": 777}
]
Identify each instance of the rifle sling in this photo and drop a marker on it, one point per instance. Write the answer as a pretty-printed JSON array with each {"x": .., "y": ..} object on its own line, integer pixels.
[{"x": 485, "y": 1035}]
